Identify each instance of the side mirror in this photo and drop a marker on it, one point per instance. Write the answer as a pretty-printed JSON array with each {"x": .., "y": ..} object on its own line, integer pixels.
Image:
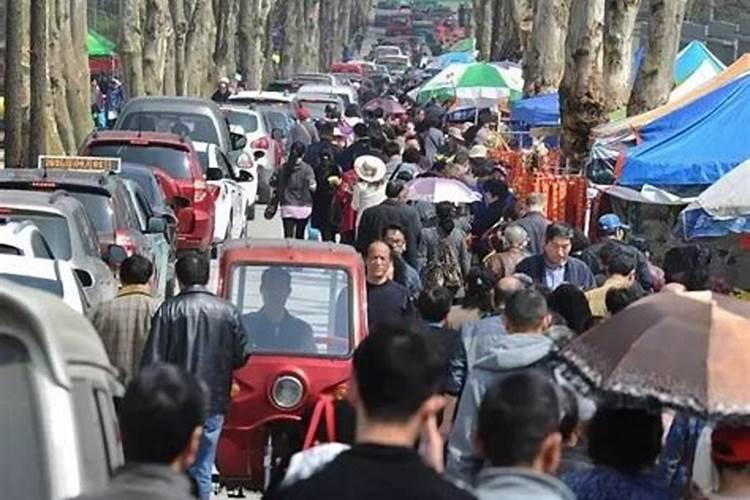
[
  {"x": 214, "y": 174},
  {"x": 245, "y": 176},
  {"x": 179, "y": 202},
  {"x": 116, "y": 255},
  {"x": 156, "y": 225},
  {"x": 239, "y": 141},
  {"x": 277, "y": 134},
  {"x": 85, "y": 277}
]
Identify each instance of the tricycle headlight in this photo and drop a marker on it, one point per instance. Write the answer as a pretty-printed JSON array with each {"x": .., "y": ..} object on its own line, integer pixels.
[{"x": 287, "y": 392}]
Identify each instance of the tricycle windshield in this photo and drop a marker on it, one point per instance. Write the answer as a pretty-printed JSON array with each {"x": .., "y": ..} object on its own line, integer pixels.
[{"x": 301, "y": 310}]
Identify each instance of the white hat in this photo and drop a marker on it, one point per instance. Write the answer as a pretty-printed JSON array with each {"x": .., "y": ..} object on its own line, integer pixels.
[
  {"x": 478, "y": 151},
  {"x": 456, "y": 133},
  {"x": 370, "y": 168},
  {"x": 224, "y": 80}
]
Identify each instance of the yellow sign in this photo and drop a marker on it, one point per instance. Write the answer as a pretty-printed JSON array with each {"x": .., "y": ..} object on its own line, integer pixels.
[{"x": 81, "y": 163}]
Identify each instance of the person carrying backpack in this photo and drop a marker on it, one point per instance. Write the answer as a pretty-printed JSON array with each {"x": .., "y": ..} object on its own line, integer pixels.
[{"x": 443, "y": 258}]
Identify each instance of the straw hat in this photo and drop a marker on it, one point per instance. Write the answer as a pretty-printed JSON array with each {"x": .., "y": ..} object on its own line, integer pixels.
[
  {"x": 456, "y": 133},
  {"x": 478, "y": 151},
  {"x": 370, "y": 168}
]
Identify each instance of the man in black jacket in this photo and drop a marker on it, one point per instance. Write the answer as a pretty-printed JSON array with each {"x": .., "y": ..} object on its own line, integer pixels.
[
  {"x": 393, "y": 210},
  {"x": 204, "y": 335},
  {"x": 398, "y": 374}
]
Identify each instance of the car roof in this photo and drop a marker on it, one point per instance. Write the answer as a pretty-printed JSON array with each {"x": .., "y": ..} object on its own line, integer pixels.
[
  {"x": 291, "y": 251},
  {"x": 64, "y": 336},
  {"x": 240, "y": 108},
  {"x": 136, "y": 136},
  {"x": 97, "y": 181},
  {"x": 42, "y": 201},
  {"x": 194, "y": 105},
  {"x": 29, "y": 266},
  {"x": 261, "y": 95},
  {"x": 324, "y": 89}
]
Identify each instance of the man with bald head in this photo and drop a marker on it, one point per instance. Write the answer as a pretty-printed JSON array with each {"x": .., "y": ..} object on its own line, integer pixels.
[{"x": 387, "y": 301}]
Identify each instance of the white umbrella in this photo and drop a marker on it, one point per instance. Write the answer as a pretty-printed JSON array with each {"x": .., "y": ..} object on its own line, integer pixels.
[
  {"x": 439, "y": 189},
  {"x": 729, "y": 197}
]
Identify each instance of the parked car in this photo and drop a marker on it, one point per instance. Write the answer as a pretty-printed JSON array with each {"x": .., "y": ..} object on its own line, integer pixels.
[
  {"x": 177, "y": 158},
  {"x": 104, "y": 197},
  {"x": 51, "y": 276},
  {"x": 281, "y": 383},
  {"x": 60, "y": 433},
  {"x": 347, "y": 94},
  {"x": 198, "y": 119},
  {"x": 316, "y": 79},
  {"x": 254, "y": 98},
  {"x": 229, "y": 195},
  {"x": 317, "y": 103},
  {"x": 283, "y": 86},
  {"x": 397, "y": 65},
  {"x": 267, "y": 154},
  {"x": 68, "y": 230},
  {"x": 155, "y": 228},
  {"x": 23, "y": 238}
]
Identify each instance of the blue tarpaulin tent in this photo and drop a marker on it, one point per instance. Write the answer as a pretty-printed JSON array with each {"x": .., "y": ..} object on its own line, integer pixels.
[
  {"x": 696, "y": 144},
  {"x": 538, "y": 111}
]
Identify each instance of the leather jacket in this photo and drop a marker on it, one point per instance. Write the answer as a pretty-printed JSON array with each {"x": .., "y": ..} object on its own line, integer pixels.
[{"x": 204, "y": 335}]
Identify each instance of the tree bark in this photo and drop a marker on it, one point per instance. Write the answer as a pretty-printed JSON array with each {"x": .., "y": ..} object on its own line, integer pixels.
[
  {"x": 483, "y": 20},
  {"x": 342, "y": 26},
  {"x": 38, "y": 81},
  {"x": 582, "y": 91},
  {"x": 156, "y": 33},
  {"x": 253, "y": 20},
  {"x": 291, "y": 38},
  {"x": 131, "y": 47},
  {"x": 14, "y": 88},
  {"x": 654, "y": 82},
  {"x": 311, "y": 40},
  {"x": 544, "y": 60},
  {"x": 329, "y": 10},
  {"x": 179, "y": 36},
  {"x": 225, "y": 15},
  {"x": 620, "y": 17},
  {"x": 511, "y": 24}
]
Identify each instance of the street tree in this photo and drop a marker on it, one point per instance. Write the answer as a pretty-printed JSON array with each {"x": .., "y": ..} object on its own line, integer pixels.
[
  {"x": 620, "y": 17},
  {"x": 544, "y": 58},
  {"x": 654, "y": 81},
  {"x": 582, "y": 90}
]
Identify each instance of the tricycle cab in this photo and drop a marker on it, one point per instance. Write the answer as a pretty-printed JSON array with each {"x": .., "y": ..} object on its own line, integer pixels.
[{"x": 303, "y": 306}]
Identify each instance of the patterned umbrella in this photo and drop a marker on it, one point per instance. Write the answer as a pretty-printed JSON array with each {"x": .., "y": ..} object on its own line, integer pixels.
[
  {"x": 689, "y": 351},
  {"x": 474, "y": 84}
]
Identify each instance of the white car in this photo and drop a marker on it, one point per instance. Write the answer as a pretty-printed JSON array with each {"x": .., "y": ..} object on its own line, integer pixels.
[
  {"x": 345, "y": 92},
  {"x": 23, "y": 238},
  {"x": 47, "y": 275},
  {"x": 232, "y": 200}
]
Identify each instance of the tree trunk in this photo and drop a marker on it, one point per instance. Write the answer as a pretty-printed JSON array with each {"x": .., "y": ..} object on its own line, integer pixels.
[
  {"x": 523, "y": 17},
  {"x": 544, "y": 60},
  {"x": 582, "y": 91},
  {"x": 156, "y": 33},
  {"x": 253, "y": 20},
  {"x": 38, "y": 80},
  {"x": 483, "y": 20},
  {"x": 14, "y": 87},
  {"x": 131, "y": 47},
  {"x": 620, "y": 16},
  {"x": 226, "y": 31},
  {"x": 509, "y": 19},
  {"x": 179, "y": 35},
  {"x": 291, "y": 38},
  {"x": 342, "y": 26},
  {"x": 329, "y": 10},
  {"x": 199, "y": 46},
  {"x": 311, "y": 40},
  {"x": 655, "y": 78}
]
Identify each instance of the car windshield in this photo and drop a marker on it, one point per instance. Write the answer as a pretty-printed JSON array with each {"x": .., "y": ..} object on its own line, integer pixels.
[
  {"x": 317, "y": 108},
  {"x": 278, "y": 120},
  {"x": 54, "y": 228},
  {"x": 45, "y": 285},
  {"x": 203, "y": 159},
  {"x": 198, "y": 127},
  {"x": 293, "y": 309},
  {"x": 99, "y": 208},
  {"x": 248, "y": 121},
  {"x": 174, "y": 162}
]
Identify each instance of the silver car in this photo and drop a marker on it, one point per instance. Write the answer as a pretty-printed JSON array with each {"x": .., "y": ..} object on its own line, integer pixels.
[{"x": 69, "y": 232}]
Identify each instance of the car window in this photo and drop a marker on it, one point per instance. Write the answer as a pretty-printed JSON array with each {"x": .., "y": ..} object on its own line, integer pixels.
[
  {"x": 125, "y": 209},
  {"x": 203, "y": 159},
  {"x": 197, "y": 127},
  {"x": 9, "y": 250},
  {"x": 43, "y": 284},
  {"x": 22, "y": 473},
  {"x": 279, "y": 120},
  {"x": 175, "y": 162},
  {"x": 39, "y": 247},
  {"x": 53, "y": 227},
  {"x": 94, "y": 470},
  {"x": 224, "y": 165},
  {"x": 99, "y": 208},
  {"x": 140, "y": 213},
  {"x": 87, "y": 233},
  {"x": 248, "y": 121},
  {"x": 316, "y": 300}
]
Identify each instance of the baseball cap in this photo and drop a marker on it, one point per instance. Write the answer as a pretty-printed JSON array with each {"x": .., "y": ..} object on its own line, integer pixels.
[
  {"x": 609, "y": 223},
  {"x": 478, "y": 151},
  {"x": 730, "y": 445}
]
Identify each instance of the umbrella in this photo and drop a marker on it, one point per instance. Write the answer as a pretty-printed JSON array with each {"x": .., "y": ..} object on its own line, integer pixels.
[
  {"x": 438, "y": 189},
  {"x": 721, "y": 209},
  {"x": 687, "y": 350},
  {"x": 389, "y": 106},
  {"x": 474, "y": 84}
]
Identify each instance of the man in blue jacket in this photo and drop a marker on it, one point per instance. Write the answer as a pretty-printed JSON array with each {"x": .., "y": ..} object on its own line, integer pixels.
[{"x": 554, "y": 266}]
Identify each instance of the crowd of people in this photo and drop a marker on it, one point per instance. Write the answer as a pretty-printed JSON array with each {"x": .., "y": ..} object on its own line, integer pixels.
[{"x": 458, "y": 390}]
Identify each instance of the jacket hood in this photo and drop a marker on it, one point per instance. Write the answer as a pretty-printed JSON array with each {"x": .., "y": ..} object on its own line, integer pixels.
[
  {"x": 516, "y": 350},
  {"x": 519, "y": 484}
]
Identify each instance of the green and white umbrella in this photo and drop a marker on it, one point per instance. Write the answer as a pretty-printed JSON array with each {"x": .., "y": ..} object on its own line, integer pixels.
[{"x": 475, "y": 84}]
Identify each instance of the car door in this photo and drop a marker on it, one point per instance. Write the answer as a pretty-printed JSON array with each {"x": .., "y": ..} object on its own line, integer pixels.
[
  {"x": 222, "y": 196},
  {"x": 237, "y": 195}
]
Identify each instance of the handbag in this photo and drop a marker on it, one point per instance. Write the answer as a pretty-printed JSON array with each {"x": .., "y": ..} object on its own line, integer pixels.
[{"x": 272, "y": 207}]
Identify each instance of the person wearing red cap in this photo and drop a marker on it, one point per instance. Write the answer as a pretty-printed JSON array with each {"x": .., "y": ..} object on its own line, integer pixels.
[
  {"x": 730, "y": 452},
  {"x": 300, "y": 131}
]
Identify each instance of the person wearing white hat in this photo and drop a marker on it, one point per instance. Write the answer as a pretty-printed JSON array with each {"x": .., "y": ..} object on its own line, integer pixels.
[
  {"x": 370, "y": 188},
  {"x": 223, "y": 91}
]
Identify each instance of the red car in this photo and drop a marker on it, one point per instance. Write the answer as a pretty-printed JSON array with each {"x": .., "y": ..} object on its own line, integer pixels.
[
  {"x": 175, "y": 156},
  {"x": 303, "y": 306}
]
